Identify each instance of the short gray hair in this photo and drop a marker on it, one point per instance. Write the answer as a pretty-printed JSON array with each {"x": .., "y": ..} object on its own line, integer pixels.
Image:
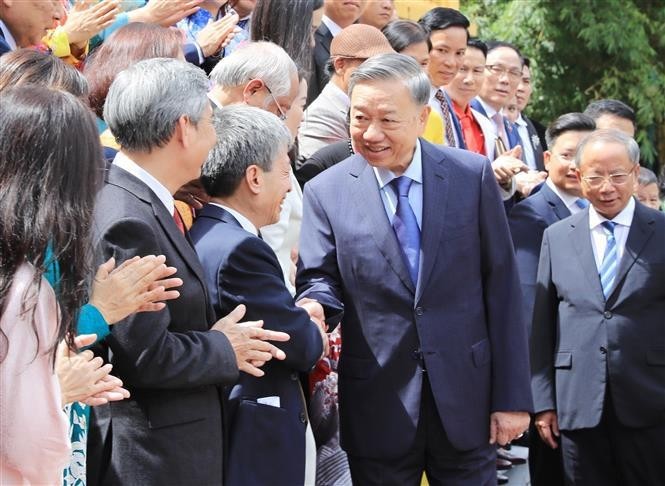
[
  {"x": 245, "y": 136},
  {"x": 258, "y": 60},
  {"x": 610, "y": 136},
  {"x": 394, "y": 67},
  {"x": 146, "y": 101},
  {"x": 646, "y": 177}
]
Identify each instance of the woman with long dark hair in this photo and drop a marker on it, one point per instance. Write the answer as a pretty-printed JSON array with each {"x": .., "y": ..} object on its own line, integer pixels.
[{"x": 49, "y": 178}]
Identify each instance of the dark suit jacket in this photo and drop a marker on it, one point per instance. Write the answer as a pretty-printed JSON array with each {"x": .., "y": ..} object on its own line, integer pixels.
[
  {"x": 465, "y": 315},
  {"x": 322, "y": 159},
  {"x": 4, "y": 47},
  {"x": 534, "y": 140},
  {"x": 267, "y": 444},
  {"x": 528, "y": 221},
  {"x": 170, "y": 430},
  {"x": 319, "y": 77},
  {"x": 583, "y": 346}
]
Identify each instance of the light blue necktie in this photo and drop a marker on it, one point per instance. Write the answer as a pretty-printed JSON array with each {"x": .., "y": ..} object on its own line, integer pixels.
[
  {"x": 582, "y": 203},
  {"x": 406, "y": 227},
  {"x": 608, "y": 269}
]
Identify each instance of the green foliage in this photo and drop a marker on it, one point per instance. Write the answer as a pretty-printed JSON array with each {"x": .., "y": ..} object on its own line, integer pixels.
[{"x": 585, "y": 50}]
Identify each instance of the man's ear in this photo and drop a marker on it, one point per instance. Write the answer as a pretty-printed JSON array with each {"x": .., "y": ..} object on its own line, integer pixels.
[
  {"x": 250, "y": 89},
  {"x": 183, "y": 132},
  {"x": 547, "y": 156},
  {"x": 254, "y": 178}
]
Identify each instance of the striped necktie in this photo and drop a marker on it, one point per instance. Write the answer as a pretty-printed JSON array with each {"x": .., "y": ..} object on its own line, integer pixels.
[
  {"x": 445, "y": 111},
  {"x": 406, "y": 227},
  {"x": 608, "y": 269}
]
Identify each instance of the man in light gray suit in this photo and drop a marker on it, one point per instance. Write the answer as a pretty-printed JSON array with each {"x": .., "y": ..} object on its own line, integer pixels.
[{"x": 598, "y": 338}]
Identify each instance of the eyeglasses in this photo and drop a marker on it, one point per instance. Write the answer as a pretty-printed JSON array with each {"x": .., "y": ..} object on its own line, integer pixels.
[
  {"x": 282, "y": 115},
  {"x": 596, "y": 182},
  {"x": 500, "y": 70}
]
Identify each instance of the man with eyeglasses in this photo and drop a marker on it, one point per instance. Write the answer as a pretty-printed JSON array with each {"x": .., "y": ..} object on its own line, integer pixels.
[
  {"x": 597, "y": 353},
  {"x": 260, "y": 74},
  {"x": 558, "y": 198}
]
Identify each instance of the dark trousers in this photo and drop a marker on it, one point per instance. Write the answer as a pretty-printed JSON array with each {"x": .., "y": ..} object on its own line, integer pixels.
[
  {"x": 613, "y": 454},
  {"x": 545, "y": 463},
  {"x": 431, "y": 453}
]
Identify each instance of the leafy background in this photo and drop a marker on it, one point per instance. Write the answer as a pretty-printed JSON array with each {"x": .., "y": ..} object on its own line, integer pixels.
[{"x": 582, "y": 50}]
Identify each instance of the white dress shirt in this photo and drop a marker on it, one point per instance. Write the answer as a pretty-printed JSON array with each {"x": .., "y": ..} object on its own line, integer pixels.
[
  {"x": 388, "y": 195},
  {"x": 244, "y": 222},
  {"x": 332, "y": 26},
  {"x": 162, "y": 193},
  {"x": 568, "y": 199},
  {"x": 623, "y": 221},
  {"x": 527, "y": 148}
]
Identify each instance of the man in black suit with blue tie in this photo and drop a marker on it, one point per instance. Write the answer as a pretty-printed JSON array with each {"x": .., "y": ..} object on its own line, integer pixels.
[
  {"x": 408, "y": 243},
  {"x": 597, "y": 341},
  {"x": 558, "y": 198},
  {"x": 247, "y": 176}
]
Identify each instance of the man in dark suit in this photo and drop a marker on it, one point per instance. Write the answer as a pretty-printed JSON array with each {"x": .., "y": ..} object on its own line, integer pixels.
[
  {"x": 247, "y": 176},
  {"x": 410, "y": 244},
  {"x": 337, "y": 14},
  {"x": 24, "y": 23},
  {"x": 559, "y": 197},
  {"x": 173, "y": 361},
  {"x": 597, "y": 353},
  {"x": 526, "y": 129}
]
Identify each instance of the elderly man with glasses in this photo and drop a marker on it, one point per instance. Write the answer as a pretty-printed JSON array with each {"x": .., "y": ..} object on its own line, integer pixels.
[{"x": 597, "y": 353}]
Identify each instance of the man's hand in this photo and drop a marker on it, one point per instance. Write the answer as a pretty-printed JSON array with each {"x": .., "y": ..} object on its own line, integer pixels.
[
  {"x": 316, "y": 314},
  {"x": 507, "y": 165},
  {"x": 85, "y": 20},
  {"x": 139, "y": 284},
  {"x": 214, "y": 36},
  {"x": 164, "y": 12},
  {"x": 249, "y": 341},
  {"x": 526, "y": 181},
  {"x": 193, "y": 194},
  {"x": 84, "y": 377},
  {"x": 548, "y": 427},
  {"x": 507, "y": 426}
]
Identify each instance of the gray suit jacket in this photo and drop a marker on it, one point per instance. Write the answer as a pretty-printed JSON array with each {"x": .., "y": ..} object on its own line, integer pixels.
[
  {"x": 582, "y": 345},
  {"x": 324, "y": 122}
]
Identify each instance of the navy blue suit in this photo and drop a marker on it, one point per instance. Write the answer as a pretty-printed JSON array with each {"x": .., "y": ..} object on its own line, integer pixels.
[
  {"x": 267, "y": 444},
  {"x": 4, "y": 47},
  {"x": 462, "y": 322},
  {"x": 528, "y": 221}
]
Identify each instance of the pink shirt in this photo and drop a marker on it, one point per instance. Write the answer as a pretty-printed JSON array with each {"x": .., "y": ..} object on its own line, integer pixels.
[{"x": 34, "y": 431}]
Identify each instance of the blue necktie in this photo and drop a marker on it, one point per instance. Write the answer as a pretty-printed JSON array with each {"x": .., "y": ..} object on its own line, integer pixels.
[
  {"x": 582, "y": 203},
  {"x": 608, "y": 269},
  {"x": 406, "y": 226}
]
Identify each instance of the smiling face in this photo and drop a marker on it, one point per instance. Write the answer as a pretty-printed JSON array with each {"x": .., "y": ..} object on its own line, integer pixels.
[
  {"x": 276, "y": 184},
  {"x": 386, "y": 123},
  {"x": 604, "y": 159},
  {"x": 500, "y": 87},
  {"x": 28, "y": 20},
  {"x": 467, "y": 83},
  {"x": 560, "y": 161},
  {"x": 447, "y": 54},
  {"x": 343, "y": 12},
  {"x": 648, "y": 195}
]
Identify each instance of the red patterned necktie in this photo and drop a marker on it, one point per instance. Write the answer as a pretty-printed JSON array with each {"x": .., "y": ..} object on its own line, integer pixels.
[
  {"x": 178, "y": 221},
  {"x": 445, "y": 110}
]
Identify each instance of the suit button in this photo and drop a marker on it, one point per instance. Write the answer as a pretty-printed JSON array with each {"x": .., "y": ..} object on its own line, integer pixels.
[
  {"x": 419, "y": 311},
  {"x": 603, "y": 350},
  {"x": 303, "y": 417},
  {"x": 294, "y": 376},
  {"x": 607, "y": 315}
]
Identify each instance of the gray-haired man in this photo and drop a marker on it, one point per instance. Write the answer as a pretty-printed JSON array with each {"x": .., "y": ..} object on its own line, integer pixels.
[
  {"x": 170, "y": 430},
  {"x": 410, "y": 243}
]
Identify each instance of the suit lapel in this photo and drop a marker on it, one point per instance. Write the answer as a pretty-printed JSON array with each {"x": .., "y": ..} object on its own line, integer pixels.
[
  {"x": 435, "y": 198},
  {"x": 581, "y": 241},
  {"x": 641, "y": 230},
  {"x": 366, "y": 192},
  {"x": 534, "y": 140},
  {"x": 555, "y": 202},
  {"x": 220, "y": 214}
]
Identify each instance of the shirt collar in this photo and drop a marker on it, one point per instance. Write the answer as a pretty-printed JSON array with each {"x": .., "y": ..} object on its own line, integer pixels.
[
  {"x": 332, "y": 26},
  {"x": 414, "y": 171},
  {"x": 121, "y": 160},
  {"x": 9, "y": 38},
  {"x": 567, "y": 198},
  {"x": 214, "y": 101},
  {"x": 520, "y": 121},
  {"x": 244, "y": 222},
  {"x": 624, "y": 218},
  {"x": 488, "y": 109}
]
